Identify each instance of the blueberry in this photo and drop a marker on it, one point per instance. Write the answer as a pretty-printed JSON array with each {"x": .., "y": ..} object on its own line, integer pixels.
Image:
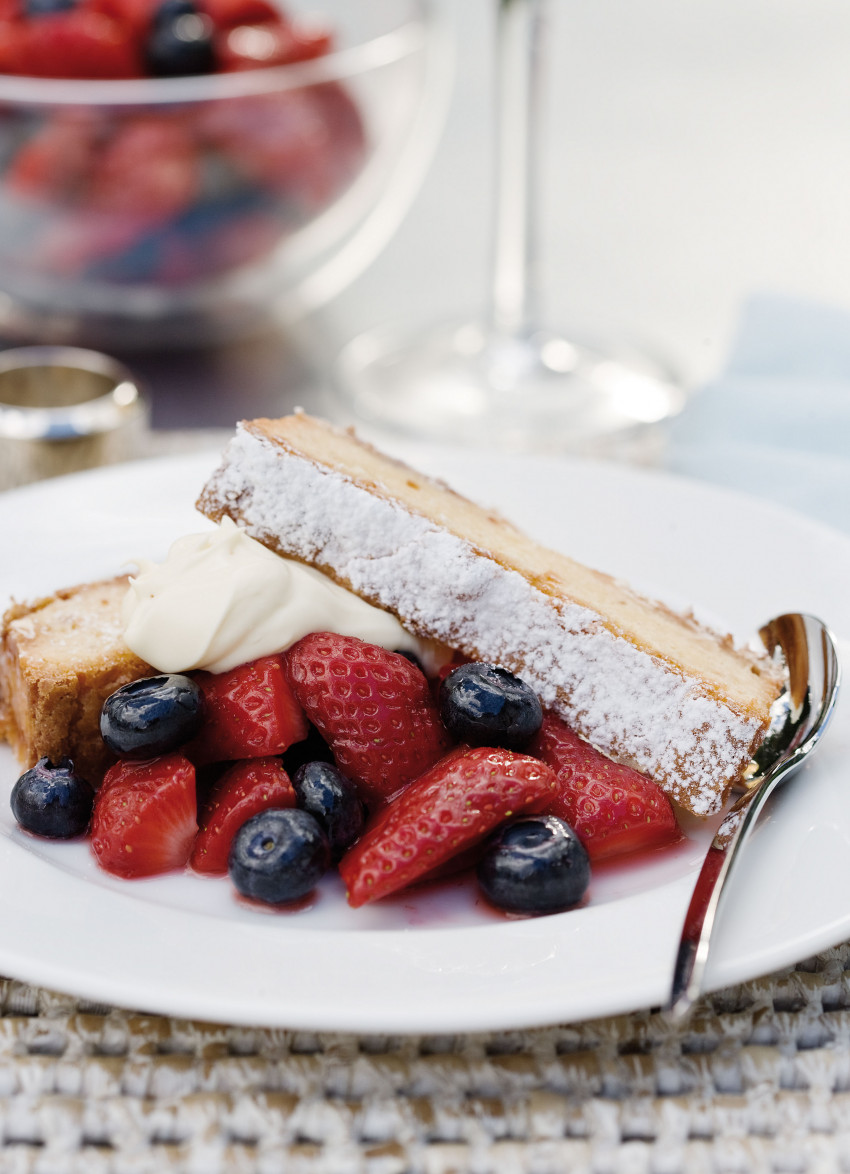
[
  {"x": 487, "y": 706},
  {"x": 180, "y": 43},
  {"x": 47, "y": 7},
  {"x": 535, "y": 864},
  {"x": 332, "y": 798},
  {"x": 52, "y": 800},
  {"x": 278, "y": 855},
  {"x": 152, "y": 716}
]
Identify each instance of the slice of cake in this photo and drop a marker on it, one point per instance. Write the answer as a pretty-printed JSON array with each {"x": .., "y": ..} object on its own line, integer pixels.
[
  {"x": 641, "y": 683},
  {"x": 60, "y": 658}
]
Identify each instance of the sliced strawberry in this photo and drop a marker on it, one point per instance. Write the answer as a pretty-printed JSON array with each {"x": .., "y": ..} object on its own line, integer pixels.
[
  {"x": 613, "y": 809},
  {"x": 251, "y": 712},
  {"x": 145, "y": 816},
  {"x": 374, "y": 709},
  {"x": 442, "y": 814},
  {"x": 242, "y": 791}
]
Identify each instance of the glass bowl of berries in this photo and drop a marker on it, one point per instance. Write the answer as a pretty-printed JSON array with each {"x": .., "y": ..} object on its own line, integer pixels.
[{"x": 181, "y": 172}]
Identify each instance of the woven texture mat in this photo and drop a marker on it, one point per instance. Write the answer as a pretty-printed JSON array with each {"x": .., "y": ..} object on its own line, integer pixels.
[{"x": 758, "y": 1079}]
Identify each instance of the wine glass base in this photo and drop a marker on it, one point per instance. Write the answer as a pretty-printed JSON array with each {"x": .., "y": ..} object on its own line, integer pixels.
[{"x": 462, "y": 385}]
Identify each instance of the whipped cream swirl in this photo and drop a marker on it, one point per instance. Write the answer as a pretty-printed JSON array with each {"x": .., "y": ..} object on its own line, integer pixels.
[{"x": 221, "y": 598}]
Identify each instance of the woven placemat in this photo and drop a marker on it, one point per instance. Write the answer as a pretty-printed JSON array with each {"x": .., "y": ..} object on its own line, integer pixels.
[{"x": 758, "y": 1079}]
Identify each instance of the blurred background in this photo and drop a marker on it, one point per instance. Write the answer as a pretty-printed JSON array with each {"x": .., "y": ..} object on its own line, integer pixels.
[
  {"x": 697, "y": 158},
  {"x": 697, "y": 167},
  {"x": 694, "y": 200}
]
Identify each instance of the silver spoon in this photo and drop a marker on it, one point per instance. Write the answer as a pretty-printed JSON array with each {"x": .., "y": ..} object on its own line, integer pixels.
[{"x": 798, "y": 720}]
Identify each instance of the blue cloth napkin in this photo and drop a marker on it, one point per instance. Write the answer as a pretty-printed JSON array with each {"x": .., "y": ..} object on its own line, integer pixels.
[{"x": 776, "y": 422}]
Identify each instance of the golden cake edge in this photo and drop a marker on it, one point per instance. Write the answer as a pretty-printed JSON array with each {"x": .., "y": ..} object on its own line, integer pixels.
[{"x": 402, "y": 541}]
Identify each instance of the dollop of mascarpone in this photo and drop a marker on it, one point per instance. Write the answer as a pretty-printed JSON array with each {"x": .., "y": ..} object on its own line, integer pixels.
[{"x": 221, "y": 598}]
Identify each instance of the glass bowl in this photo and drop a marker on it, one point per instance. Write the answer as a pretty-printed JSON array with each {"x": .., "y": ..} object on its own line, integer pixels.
[{"x": 186, "y": 211}]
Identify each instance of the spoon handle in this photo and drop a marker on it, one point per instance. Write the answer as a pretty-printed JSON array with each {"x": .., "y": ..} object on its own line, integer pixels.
[
  {"x": 814, "y": 676},
  {"x": 692, "y": 955}
]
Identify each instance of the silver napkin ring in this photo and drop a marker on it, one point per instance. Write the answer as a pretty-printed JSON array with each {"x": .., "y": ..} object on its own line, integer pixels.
[{"x": 63, "y": 409}]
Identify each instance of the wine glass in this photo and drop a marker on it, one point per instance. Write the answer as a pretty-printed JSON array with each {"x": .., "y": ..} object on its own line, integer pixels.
[{"x": 502, "y": 381}]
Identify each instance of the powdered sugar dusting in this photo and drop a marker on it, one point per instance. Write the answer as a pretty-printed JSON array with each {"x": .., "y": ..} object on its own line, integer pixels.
[{"x": 626, "y": 702}]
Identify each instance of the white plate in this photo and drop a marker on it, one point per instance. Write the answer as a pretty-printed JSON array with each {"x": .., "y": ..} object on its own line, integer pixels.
[{"x": 439, "y": 962}]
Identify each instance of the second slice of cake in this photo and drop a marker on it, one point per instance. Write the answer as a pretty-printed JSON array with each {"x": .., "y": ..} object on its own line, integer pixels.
[
  {"x": 640, "y": 682},
  {"x": 60, "y": 658}
]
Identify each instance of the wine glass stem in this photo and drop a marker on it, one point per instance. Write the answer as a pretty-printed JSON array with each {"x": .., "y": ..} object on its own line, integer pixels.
[{"x": 512, "y": 309}]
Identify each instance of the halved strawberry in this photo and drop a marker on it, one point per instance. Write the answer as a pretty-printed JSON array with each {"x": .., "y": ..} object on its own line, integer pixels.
[
  {"x": 145, "y": 816},
  {"x": 443, "y": 813},
  {"x": 242, "y": 791},
  {"x": 374, "y": 709},
  {"x": 251, "y": 712},
  {"x": 613, "y": 809}
]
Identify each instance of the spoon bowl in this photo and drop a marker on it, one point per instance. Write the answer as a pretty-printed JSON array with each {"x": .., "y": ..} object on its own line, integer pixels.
[{"x": 799, "y": 718}]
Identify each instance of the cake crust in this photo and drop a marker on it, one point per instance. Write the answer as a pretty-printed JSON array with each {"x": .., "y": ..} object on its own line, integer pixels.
[
  {"x": 60, "y": 658},
  {"x": 641, "y": 683}
]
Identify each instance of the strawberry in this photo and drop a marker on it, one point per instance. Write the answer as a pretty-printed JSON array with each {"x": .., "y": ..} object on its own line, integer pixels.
[
  {"x": 226, "y": 14},
  {"x": 144, "y": 820},
  {"x": 443, "y": 813},
  {"x": 79, "y": 43},
  {"x": 242, "y": 791},
  {"x": 12, "y": 40},
  {"x": 613, "y": 809},
  {"x": 136, "y": 15},
  {"x": 374, "y": 709},
  {"x": 251, "y": 713}
]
